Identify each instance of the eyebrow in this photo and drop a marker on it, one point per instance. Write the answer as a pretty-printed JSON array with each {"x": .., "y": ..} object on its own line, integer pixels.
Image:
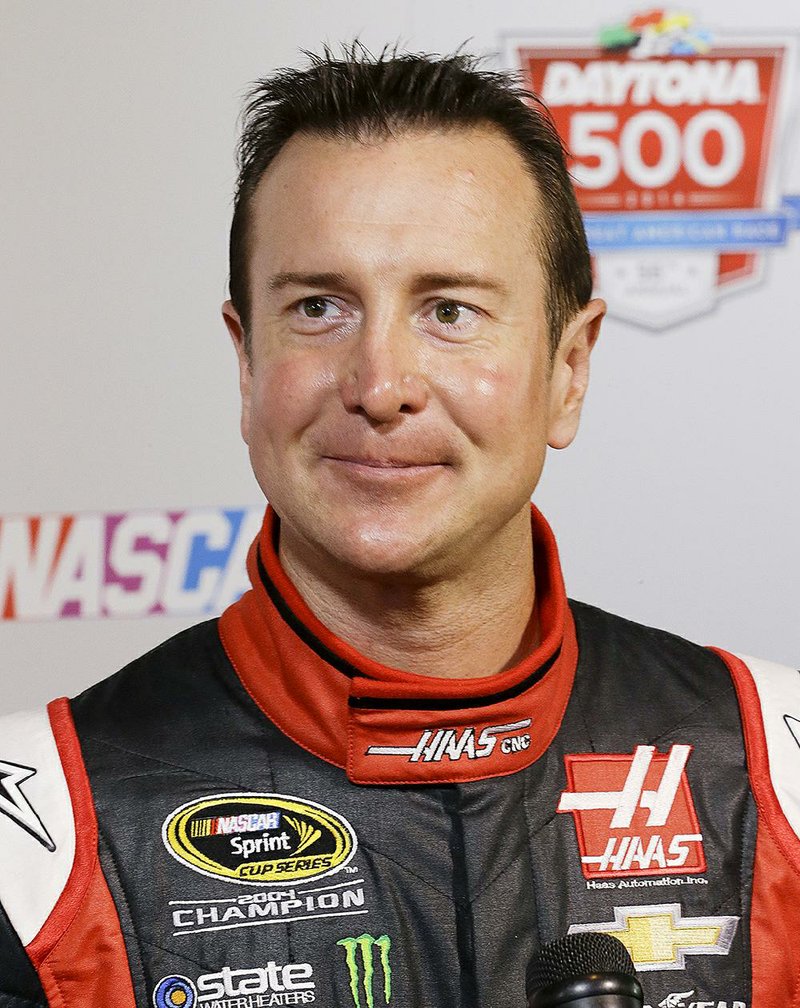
[
  {"x": 423, "y": 282},
  {"x": 429, "y": 281},
  {"x": 330, "y": 280}
]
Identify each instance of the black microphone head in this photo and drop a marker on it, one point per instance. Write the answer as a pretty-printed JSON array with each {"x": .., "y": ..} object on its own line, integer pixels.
[{"x": 577, "y": 955}]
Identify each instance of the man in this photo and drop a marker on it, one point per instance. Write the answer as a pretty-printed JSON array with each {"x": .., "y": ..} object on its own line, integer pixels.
[{"x": 403, "y": 762}]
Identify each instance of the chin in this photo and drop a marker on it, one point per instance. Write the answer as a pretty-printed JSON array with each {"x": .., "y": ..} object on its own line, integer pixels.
[{"x": 384, "y": 547}]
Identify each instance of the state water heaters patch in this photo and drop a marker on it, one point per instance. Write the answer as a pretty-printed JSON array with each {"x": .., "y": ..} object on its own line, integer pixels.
[
  {"x": 259, "y": 839},
  {"x": 634, "y": 813},
  {"x": 253, "y": 987}
]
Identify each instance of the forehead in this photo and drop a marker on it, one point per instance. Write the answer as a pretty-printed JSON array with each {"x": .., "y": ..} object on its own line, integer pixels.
[{"x": 460, "y": 191}]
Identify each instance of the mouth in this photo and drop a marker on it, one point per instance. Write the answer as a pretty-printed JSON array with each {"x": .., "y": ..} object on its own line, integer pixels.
[
  {"x": 383, "y": 470},
  {"x": 367, "y": 462}
]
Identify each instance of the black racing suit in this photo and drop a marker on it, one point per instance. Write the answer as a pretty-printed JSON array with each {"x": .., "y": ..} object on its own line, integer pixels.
[{"x": 253, "y": 814}]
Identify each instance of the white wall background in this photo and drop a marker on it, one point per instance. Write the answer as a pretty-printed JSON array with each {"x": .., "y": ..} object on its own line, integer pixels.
[{"x": 678, "y": 504}]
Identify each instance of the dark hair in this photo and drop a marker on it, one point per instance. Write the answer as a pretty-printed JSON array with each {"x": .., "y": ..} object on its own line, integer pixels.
[{"x": 360, "y": 96}]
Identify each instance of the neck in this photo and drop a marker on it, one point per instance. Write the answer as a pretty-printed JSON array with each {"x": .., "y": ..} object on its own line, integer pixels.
[{"x": 473, "y": 623}]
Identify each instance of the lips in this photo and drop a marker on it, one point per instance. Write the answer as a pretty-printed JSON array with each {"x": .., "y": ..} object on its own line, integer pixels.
[
  {"x": 424, "y": 450},
  {"x": 371, "y": 462},
  {"x": 364, "y": 452}
]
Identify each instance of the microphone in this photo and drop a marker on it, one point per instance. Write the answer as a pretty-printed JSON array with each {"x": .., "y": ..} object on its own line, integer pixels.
[{"x": 584, "y": 970}]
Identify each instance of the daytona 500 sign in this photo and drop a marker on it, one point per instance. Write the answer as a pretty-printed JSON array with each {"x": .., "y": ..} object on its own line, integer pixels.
[{"x": 674, "y": 140}]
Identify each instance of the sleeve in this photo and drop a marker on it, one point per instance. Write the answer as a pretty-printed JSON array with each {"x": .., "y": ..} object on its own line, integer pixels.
[
  {"x": 37, "y": 848},
  {"x": 769, "y": 701},
  {"x": 57, "y": 909}
]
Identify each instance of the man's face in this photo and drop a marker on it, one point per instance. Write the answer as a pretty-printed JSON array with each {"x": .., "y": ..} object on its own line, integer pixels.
[{"x": 400, "y": 395}]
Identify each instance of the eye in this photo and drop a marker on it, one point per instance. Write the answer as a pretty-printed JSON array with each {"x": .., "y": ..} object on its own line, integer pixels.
[
  {"x": 450, "y": 312},
  {"x": 320, "y": 315},
  {"x": 316, "y": 307}
]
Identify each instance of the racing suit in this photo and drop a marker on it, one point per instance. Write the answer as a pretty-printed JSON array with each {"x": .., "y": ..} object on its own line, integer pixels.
[{"x": 255, "y": 814}]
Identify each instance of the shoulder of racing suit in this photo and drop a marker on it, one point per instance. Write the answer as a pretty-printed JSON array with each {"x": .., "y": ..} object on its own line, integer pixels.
[
  {"x": 37, "y": 846},
  {"x": 767, "y": 694},
  {"x": 769, "y": 703},
  {"x": 49, "y": 864}
]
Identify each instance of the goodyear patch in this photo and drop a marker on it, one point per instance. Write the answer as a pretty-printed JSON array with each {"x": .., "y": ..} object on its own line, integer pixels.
[{"x": 259, "y": 839}]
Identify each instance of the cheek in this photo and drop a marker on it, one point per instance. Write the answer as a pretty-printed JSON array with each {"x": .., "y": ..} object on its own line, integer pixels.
[
  {"x": 499, "y": 407},
  {"x": 288, "y": 392}
]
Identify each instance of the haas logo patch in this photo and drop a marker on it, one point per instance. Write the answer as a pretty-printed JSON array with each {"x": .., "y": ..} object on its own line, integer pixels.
[{"x": 634, "y": 814}]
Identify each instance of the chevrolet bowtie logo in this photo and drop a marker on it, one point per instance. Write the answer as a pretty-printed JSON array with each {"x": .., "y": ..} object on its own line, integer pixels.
[{"x": 660, "y": 937}]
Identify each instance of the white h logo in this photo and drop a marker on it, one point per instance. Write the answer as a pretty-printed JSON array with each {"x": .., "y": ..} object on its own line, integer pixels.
[{"x": 633, "y": 795}]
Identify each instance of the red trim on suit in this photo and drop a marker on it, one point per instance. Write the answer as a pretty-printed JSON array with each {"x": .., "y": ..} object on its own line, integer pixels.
[
  {"x": 83, "y": 928},
  {"x": 775, "y": 910},
  {"x": 327, "y": 711}
]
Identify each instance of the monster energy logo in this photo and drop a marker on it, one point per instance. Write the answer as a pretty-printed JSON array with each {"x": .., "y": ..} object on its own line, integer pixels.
[{"x": 366, "y": 944}]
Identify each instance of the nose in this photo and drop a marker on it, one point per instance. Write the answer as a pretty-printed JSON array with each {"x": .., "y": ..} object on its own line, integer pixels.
[{"x": 383, "y": 377}]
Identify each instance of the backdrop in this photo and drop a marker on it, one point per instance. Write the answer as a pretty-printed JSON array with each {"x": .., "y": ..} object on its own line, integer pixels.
[{"x": 127, "y": 499}]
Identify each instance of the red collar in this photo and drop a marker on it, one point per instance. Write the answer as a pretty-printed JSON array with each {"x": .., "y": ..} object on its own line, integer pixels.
[{"x": 384, "y": 726}]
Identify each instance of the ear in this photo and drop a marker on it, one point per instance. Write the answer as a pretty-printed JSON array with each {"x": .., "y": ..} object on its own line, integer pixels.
[
  {"x": 236, "y": 330},
  {"x": 570, "y": 378}
]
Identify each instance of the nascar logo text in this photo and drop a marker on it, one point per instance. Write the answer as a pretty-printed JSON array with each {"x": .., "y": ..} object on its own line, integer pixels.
[
  {"x": 138, "y": 563},
  {"x": 253, "y": 823}
]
